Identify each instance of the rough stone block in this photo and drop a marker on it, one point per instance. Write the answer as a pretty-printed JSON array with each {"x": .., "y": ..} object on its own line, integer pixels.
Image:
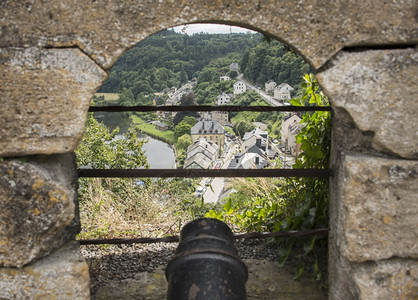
[
  {"x": 378, "y": 90},
  {"x": 38, "y": 207},
  {"x": 105, "y": 29},
  {"x": 44, "y": 95},
  {"x": 61, "y": 275},
  {"x": 395, "y": 279},
  {"x": 379, "y": 208}
]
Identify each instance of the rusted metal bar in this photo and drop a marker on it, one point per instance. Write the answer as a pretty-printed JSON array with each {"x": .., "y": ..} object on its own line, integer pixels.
[
  {"x": 227, "y": 108},
  {"x": 191, "y": 173},
  {"x": 173, "y": 239}
]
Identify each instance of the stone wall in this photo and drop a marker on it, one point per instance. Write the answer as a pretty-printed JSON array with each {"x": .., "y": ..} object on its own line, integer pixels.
[{"x": 55, "y": 54}]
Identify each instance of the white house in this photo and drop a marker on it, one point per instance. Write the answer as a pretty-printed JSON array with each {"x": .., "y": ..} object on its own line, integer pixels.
[
  {"x": 282, "y": 92},
  {"x": 224, "y": 78},
  {"x": 290, "y": 128},
  {"x": 270, "y": 85},
  {"x": 239, "y": 87},
  {"x": 223, "y": 99}
]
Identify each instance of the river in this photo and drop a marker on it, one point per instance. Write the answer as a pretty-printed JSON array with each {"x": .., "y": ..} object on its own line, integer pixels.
[{"x": 159, "y": 155}]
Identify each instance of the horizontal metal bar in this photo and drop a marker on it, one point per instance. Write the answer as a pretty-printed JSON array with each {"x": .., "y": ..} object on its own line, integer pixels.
[
  {"x": 190, "y": 173},
  {"x": 227, "y": 108},
  {"x": 171, "y": 239}
]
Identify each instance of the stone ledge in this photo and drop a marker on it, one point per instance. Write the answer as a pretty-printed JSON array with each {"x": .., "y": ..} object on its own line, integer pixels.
[
  {"x": 379, "y": 209},
  {"x": 378, "y": 89},
  {"x": 45, "y": 95},
  {"x": 394, "y": 279},
  {"x": 61, "y": 275}
]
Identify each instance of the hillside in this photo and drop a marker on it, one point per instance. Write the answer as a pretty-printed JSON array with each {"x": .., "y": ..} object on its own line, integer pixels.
[{"x": 168, "y": 59}]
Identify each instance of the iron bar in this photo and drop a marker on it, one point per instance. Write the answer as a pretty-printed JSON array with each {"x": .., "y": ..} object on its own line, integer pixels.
[
  {"x": 199, "y": 108},
  {"x": 175, "y": 238},
  {"x": 190, "y": 173}
]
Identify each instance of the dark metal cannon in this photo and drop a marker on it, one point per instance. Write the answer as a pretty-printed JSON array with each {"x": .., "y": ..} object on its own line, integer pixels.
[{"x": 206, "y": 265}]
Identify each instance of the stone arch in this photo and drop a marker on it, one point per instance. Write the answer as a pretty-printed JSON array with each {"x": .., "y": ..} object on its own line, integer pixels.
[{"x": 55, "y": 54}]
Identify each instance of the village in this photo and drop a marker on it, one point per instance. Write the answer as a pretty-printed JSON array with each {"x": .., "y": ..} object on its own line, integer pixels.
[{"x": 215, "y": 146}]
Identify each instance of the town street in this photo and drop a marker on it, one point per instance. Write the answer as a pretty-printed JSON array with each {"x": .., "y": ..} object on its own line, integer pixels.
[
  {"x": 218, "y": 183},
  {"x": 266, "y": 97}
]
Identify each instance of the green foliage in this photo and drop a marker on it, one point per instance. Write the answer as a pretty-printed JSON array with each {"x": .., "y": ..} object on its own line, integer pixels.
[
  {"x": 183, "y": 128},
  {"x": 100, "y": 148},
  {"x": 242, "y": 127},
  {"x": 169, "y": 59},
  {"x": 291, "y": 203},
  {"x": 183, "y": 142},
  {"x": 273, "y": 60}
]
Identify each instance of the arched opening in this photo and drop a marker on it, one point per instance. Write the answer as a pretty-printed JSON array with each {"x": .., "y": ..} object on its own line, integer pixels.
[
  {"x": 54, "y": 57},
  {"x": 151, "y": 75}
]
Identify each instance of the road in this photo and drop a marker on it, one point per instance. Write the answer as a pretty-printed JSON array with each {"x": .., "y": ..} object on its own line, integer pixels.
[
  {"x": 218, "y": 183},
  {"x": 268, "y": 98}
]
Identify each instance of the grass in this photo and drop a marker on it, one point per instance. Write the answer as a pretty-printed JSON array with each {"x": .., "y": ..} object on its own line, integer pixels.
[
  {"x": 115, "y": 207},
  {"x": 108, "y": 96},
  {"x": 227, "y": 129},
  {"x": 149, "y": 129}
]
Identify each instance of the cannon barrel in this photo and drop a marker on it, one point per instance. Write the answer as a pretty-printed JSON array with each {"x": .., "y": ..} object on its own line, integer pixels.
[{"x": 206, "y": 264}]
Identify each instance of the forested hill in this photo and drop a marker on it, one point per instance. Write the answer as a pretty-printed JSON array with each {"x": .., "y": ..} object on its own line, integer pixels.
[
  {"x": 168, "y": 59},
  {"x": 273, "y": 61}
]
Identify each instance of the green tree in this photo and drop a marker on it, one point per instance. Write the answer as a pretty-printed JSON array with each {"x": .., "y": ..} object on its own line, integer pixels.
[
  {"x": 101, "y": 149},
  {"x": 183, "y": 76},
  {"x": 233, "y": 74},
  {"x": 182, "y": 128},
  {"x": 126, "y": 97},
  {"x": 242, "y": 127},
  {"x": 183, "y": 142}
]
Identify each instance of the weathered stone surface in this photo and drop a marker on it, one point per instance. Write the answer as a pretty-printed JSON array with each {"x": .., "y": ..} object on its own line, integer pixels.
[
  {"x": 265, "y": 281},
  {"x": 61, "y": 275},
  {"x": 44, "y": 95},
  {"x": 395, "y": 279},
  {"x": 104, "y": 29},
  {"x": 378, "y": 90},
  {"x": 37, "y": 207},
  {"x": 378, "y": 214}
]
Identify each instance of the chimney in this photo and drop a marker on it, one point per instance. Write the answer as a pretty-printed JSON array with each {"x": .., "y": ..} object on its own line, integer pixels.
[{"x": 258, "y": 143}]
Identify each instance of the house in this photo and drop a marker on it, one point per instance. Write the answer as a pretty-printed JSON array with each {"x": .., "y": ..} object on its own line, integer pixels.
[
  {"x": 201, "y": 155},
  {"x": 161, "y": 126},
  {"x": 247, "y": 161},
  {"x": 222, "y": 117},
  {"x": 257, "y": 141},
  {"x": 239, "y": 87},
  {"x": 290, "y": 128},
  {"x": 211, "y": 131},
  {"x": 224, "y": 78},
  {"x": 270, "y": 85},
  {"x": 223, "y": 99},
  {"x": 282, "y": 92},
  {"x": 234, "y": 66}
]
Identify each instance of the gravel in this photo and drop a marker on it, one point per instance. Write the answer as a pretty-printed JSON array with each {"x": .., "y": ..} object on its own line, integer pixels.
[{"x": 110, "y": 262}]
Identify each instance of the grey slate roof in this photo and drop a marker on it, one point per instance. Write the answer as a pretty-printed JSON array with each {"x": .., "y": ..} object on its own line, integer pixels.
[{"x": 207, "y": 127}]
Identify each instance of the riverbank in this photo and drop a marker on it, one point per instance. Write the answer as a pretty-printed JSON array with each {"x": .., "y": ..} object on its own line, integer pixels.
[{"x": 166, "y": 136}]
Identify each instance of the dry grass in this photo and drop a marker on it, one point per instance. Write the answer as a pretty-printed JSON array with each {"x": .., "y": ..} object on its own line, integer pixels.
[
  {"x": 138, "y": 212},
  {"x": 108, "y": 96}
]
